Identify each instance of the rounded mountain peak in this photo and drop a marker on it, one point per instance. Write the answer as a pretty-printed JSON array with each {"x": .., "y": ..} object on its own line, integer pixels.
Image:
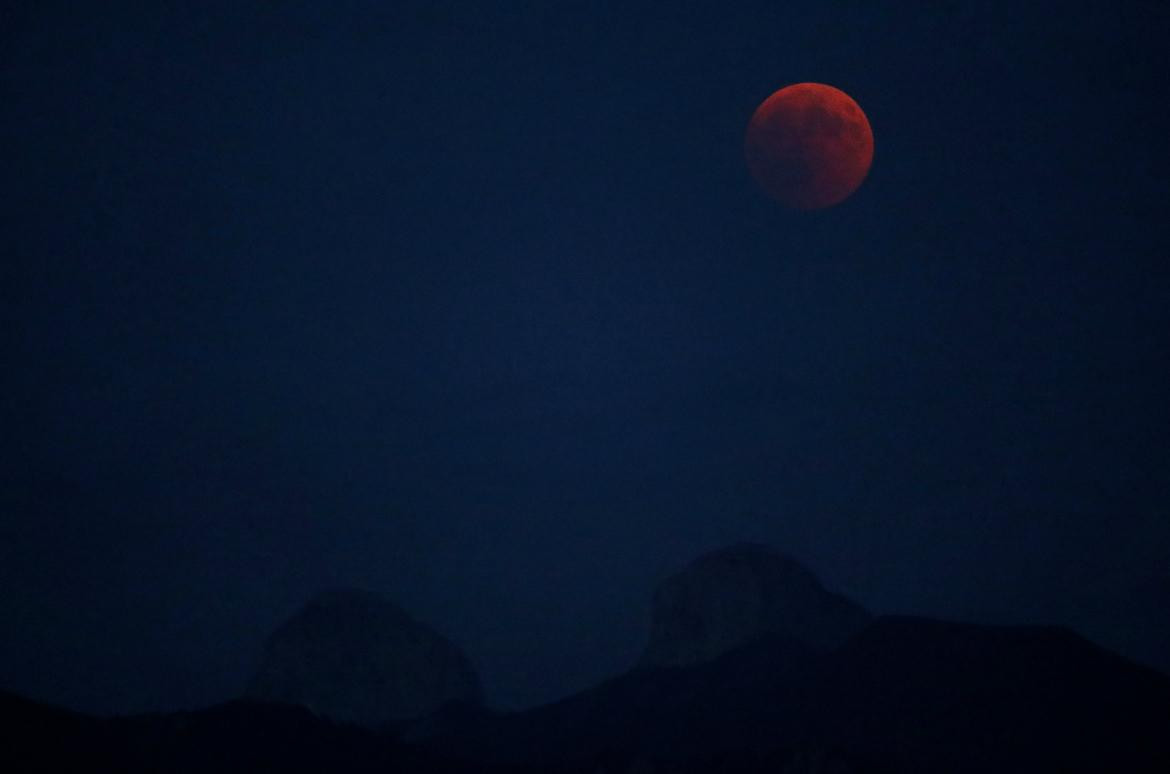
[
  {"x": 731, "y": 596},
  {"x": 357, "y": 657}
]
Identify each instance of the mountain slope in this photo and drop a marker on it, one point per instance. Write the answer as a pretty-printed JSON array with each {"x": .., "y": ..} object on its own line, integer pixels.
[{"x": 905, "y": 695}]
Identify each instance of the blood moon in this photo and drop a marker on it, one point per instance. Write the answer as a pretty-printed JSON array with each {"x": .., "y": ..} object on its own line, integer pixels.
[{"x": 809, "y": 146}]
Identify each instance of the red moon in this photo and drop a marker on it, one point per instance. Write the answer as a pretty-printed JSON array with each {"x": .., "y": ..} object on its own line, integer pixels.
[{"x": 809, "y": 146}]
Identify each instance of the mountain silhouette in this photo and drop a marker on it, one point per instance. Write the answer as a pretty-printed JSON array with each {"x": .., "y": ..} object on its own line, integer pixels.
[
  {"x": 356, "y": 657},
  {"x": 752, "y": 666},
  {"x": 903, "y": 695},
  {"x": 1133, "y": 621},
  {"x": 727, "y": 598}
]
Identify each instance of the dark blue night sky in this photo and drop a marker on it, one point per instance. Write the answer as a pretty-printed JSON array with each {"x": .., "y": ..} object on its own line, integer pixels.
[{"x": 475, "y": 304}]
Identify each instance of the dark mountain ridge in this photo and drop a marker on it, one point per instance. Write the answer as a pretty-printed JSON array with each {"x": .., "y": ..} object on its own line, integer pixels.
[
  {"x": 903, "y": 695},
  {"x": 910, "y": 694}
]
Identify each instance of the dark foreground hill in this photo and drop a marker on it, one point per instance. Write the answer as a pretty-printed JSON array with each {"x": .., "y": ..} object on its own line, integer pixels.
[
  {"x": 235, "y": 737},
  {"x": 903, "y": 695}
]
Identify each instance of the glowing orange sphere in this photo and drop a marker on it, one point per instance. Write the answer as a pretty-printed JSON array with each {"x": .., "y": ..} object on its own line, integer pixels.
[{"x": 809, "y": 146}]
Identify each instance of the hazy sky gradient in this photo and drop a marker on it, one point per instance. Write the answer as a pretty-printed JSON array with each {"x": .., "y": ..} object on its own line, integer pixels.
[{"x": 475, "y": 304}]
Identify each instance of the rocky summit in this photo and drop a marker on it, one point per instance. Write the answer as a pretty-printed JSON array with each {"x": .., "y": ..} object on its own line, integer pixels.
[
  {"x": 356, "y": 657},
  {"x": 735, "y": 595}
]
